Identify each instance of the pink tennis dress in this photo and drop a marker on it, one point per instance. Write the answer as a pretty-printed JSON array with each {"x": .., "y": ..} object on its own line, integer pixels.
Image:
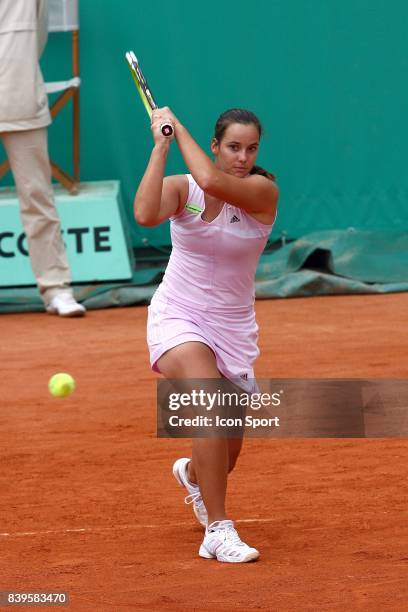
[{"x": 207, "y": 293}]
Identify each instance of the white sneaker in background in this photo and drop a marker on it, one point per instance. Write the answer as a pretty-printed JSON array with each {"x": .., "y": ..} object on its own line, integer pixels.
[
  {"x": 64, "y": 305},
  {"x": 222, "y": 542},
  {"x": 194, "y": 497}
]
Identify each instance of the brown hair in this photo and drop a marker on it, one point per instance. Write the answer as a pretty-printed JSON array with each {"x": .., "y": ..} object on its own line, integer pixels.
[{"x": 240, "y": 115}]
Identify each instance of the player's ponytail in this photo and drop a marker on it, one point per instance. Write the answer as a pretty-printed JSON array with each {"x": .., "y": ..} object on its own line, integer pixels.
[
  {"x": 240, "y": 115},
  {"x": 263, "y": 172}
]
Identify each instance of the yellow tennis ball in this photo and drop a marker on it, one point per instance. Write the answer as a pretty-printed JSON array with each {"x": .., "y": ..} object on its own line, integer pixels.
[{"x": 61, "y": 385}]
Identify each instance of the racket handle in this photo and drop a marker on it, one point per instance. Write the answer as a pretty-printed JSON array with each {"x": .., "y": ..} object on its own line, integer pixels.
[{"x": 167, "y": 129}]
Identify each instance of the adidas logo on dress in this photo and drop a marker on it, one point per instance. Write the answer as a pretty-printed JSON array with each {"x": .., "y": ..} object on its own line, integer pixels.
[
  {"x": 244, "y": 376},
  {"x": 235, "y": 219}
]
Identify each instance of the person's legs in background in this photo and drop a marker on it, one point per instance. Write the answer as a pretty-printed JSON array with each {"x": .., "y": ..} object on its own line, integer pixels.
[{"x": 27, "y": 152}]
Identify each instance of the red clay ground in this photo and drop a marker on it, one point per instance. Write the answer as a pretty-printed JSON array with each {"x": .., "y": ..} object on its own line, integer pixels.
[{"x": 89, "y": 505}]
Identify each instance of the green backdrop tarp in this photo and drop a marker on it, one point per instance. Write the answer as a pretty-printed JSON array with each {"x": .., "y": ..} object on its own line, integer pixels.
[
  {"x": 327, "y": 78},
  {"x": 368, "y": 257},
  {"x": 321, "y": 263}
]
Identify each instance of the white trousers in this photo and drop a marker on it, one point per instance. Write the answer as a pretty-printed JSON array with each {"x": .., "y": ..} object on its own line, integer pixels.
[{"x": 27, "y": 152}]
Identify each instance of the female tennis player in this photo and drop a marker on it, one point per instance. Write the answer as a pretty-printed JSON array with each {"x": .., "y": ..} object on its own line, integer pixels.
[{"x": 201, "y": 320}]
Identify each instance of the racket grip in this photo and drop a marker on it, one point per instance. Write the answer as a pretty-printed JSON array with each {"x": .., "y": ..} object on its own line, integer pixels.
[{"x": 167, "y": 129}]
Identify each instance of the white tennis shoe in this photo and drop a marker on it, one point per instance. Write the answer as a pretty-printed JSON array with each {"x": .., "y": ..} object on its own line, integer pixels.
[
  {"x": 194, "y": 496},
  {"x": 64, "y": 305},
  {"x": 222, "y": 542}
]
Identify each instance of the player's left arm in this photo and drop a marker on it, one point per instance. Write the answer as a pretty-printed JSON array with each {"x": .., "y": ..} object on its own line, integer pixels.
[{"x": 254, "y": 194}]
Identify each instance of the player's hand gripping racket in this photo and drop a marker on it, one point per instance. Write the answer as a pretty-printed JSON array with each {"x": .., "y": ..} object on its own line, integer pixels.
[{"x": 144, "y": 91}]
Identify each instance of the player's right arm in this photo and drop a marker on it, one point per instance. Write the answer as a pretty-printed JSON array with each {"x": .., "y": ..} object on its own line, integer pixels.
[{"x": 159, "y": 197}]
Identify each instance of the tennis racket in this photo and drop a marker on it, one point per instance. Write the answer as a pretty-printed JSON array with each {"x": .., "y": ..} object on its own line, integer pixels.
[{"x": 144, "y": 91}]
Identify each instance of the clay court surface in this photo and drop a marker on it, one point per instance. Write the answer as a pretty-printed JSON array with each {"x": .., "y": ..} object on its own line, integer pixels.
[{"x": 89, "y": 505}]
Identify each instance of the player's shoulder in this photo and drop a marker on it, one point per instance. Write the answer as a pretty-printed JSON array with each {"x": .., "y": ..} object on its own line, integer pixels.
[
  {"x": 261, "y": 179},
  {"x": 264, "y": 186},
  {"x": 177, "y": 181},
  {"x": 178, "y": 184}
]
